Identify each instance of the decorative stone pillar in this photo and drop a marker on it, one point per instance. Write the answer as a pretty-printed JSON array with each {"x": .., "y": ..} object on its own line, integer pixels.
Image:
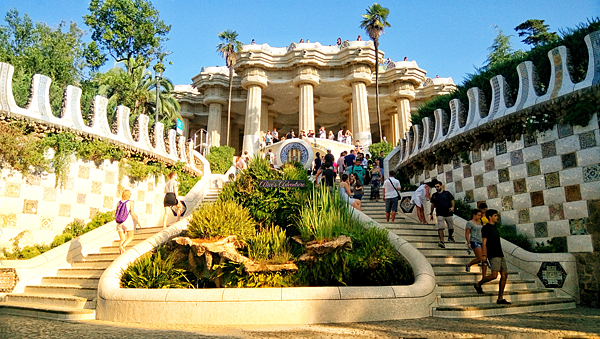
[
  {"x": 348, "y": 113},
  {"x": 307, "y": 78},
  {"x": 215, "y": 99},
  {"x": 264, "y": 114},
  {"x": 393, "y": 133},
  {"x": 402, "y": 93},
  {"x": 359, "y": 79},
  {"x": 272, "y": 116},
  {"x": 254, "y": 82},
  {"x": 186, "y": 127}
]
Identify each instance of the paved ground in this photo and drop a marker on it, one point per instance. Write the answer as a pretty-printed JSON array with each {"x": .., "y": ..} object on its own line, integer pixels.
[{"x": 582, "y": 322}]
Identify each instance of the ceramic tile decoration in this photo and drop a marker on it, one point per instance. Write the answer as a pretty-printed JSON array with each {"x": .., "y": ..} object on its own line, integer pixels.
[
  {"x": 591, "y": 173},
  {"x": 466, "y": 171},
  {"x": 552, "y": 179},
  {"x": 569, "y": 160},
  {"x": 478, "y": 180},
  {"x": 427, "y": 175},
  {"x": 70, "y": 183},
  {"x": 81, "y": 198},
  {"x": 476, "y": 156},
  {"x": 406, "y": 205},
  {"x": 49, "y": 194},
  {"x": 490, "y": 165},
  {"x": 556, "y": 212},
  {"x": 93, "y": 211},
  {"x": 500, "y": 147},
  {"x": 548, "y": 149},
  {"x": 540, "y": 229},
  {"x": 119, "y": 191},
  {"x": 537, "y": 198},
  {"x": 587, "y": 140},
  {"x": 552, "y": 274},
  {"x": 141, "y": 195},
  {"x": 520, "y": 186},
  {"x": 564, "y": 130},
  {"x": 151, "y": 186},
  {"x": 158, "y": 199},
  {"x": 524, "y": 216},
  {"x": 533, "y": 168},
  {"x": 109, "y": 177},
  {"x": 108, "y": 202},
  {"x": 456, "y": 163},
  {"x": 64, "y": 210},
  {"x": 33, "y": 180},
  {"x": 492, "y": 191},
  {"x": 83, "y": 172},
  {"x": 516, "y": 157},
  {"x": 46, "y": 223},
  {"x": 12, "y": 190},
  {"x": 507, "y": 203},
  {"x": 440, "y": 169},
  {"x": 458, "y": 186},
  {"x": 96, "y": 187},
  {"x": 469, "y": 197},
  {"x": 8, "y": 279},
  {"x": 503, "y": 175},
  {"x": 30, "y": 206},
  {"x": 530, "y": 140},
  {"x": 148, "y": 208},
  {"x": 572, "y": 193},
  {"x": 577, "y": 226}
]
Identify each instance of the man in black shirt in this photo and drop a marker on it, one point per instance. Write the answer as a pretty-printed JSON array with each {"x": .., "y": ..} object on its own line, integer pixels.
[
  {"x": 328, "y": 175},
  {"x": 443, "y": 202},
  {"x": 492, "y": 250},
  {"x": 329, "y": 157}
]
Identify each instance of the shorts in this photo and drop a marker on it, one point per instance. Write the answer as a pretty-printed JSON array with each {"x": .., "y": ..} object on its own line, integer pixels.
[
  {"x": 443, "y": 221},
  {"x": 498, "y": 264},
  {"x": 170, "y": 200},
  {"x": 126, "y": 226},
  {"x": 391, "y": 205},
  {"x": 358, "y": 196},
  {"x": 476, "y": 244}
]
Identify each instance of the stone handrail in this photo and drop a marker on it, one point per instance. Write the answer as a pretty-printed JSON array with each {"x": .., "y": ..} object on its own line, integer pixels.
[
  {"x": 39, "y": 109},
  {"x": 430, "y": 135},
  {"x": 268, "y": 305}
]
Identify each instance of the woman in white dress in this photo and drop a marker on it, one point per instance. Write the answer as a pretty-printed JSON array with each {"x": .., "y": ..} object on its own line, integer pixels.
[
  {"x": 348, "y": 137},
  {"x": 345, "y": 193},
  {"x": 418, "y": 198}
]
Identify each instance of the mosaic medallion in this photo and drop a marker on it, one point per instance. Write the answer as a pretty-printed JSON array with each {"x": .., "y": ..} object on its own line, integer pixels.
[
  {"x": 8, "y": 279},
  {"x": 556, "y": 212},
  {"x": 520, "y": 186},
  {"x": 507, "y": 203},
  {"x": 533, "y": 168},
  {"x": 516, "y": 157},
  {"x": 294, "y": 151},
  {"x": 591, "y": 173},
  {"x": 478, "y": 180},
  {"x": 552, "y": 179},
  {"x": 530, "y": 140},
  {"x": 466, "y": 171},
  {"x": 64, "y": 210},
  {"x": 12, "y": 190},
  {"x": 552, "y": 274},
  {"x": 537, "y": 198},
  {"x": 540, "y": 229},
  {"x": 30, "y": 206},
  {"x": 406, "y": 205},
  {"x": 469, "y": 197},
  {"x": 548, "y": 149},
  {"x": 565, "y": 130},
  {"x": 490, "y": 165},
  {"x": 524, "y": 216},
  {"x": 587, "y": 140},
  {"x": 501, "y": 148},
  {"x": 577, "y": 226},
  {"x": 46, "y": 223},
  {"x": 503, "y": 175},
  {"x": 572, "y": 193},
  {"x": 569, "y": 160}
]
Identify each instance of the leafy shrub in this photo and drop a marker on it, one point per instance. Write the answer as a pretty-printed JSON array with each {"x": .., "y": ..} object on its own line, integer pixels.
[
  {"x": 76, "y": 227},
  {"x": 220, "y": 158},
  {"x": 375, "y": 148},
  {"x": 221, "y": 219},
  {"x": 233, "y": 275},
  {"x": 509, "y": 233},
  {"x": 554, "y": 245},
  {"x": 20, "y": 151},
  {"x": 154, "y": 270},
  {"x": 270, "y": 245},
  {"x": 325, "y": 216},
  {"x": 462, "y": 208},
  {"x": 61, "y": 239},
  {"x": 99, "y": 150},
  {"x": 99, "y": 219}
]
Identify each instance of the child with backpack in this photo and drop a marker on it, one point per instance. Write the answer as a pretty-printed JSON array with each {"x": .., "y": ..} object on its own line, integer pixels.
[{"x": 125, "y": 217}]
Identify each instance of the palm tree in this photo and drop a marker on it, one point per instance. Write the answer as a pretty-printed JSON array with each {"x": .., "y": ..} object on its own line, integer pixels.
[
  {"x": 374, "y": 22},
  {"x": 228, "y": 48}
]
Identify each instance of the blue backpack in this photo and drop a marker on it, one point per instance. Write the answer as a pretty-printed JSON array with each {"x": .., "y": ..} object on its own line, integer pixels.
[{"x": 122, "y": 212}]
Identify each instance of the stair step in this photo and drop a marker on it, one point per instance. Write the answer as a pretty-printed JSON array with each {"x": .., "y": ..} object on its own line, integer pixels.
[
  {"x": 102, "y": 256},
  {"x": 449, "y": 251},
  {"x": 81, "y": 272},
  {"x": 103, "y": 263},
  {"x": 131, "y": 244},
  {"x": 449, "y": 259},
  {"x": 51, "y": 300},
  {"x": 471, "y": 277},
  {"x": 492, "y": 309},
  {"x": 453, "y": 268},
  {"x": 72, "y": 280},
  {"x": 402, "y": 230},
  {"x": 491, "y": 287},
  {"x": 466, "y": 299},
  {"x": 47, "y": 311},
  {"x": 68, "y": 290},
  {"x": 432, "y": 244}
]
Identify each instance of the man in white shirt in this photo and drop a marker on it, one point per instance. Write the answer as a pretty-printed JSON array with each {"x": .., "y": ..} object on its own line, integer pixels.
[
  {"x": 340, "y": 134},
  {"x": 391, "y": 195},
  {"x": 271, "y": 157}
]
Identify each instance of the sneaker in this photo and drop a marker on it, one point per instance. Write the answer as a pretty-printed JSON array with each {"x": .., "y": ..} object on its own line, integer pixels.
[
  {"x": 468, "y": 268},
  {"x": 487, "y": 262},
  {"x": 441, "y": 245},
  {"x": 479, "y": 289},
  {"x": 451, "y": 239},
  {"x": 502, "y": 302}
]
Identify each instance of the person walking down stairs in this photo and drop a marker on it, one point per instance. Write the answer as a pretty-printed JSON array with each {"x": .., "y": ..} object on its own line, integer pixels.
[
  {"x": 443, "y": 203},
  {"x": 391, "y": 196}
]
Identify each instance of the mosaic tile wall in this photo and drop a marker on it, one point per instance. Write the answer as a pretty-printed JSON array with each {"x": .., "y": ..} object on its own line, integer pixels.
[
  {"x": 37, "y": 206},
  {"x": 541, "y": 184}
]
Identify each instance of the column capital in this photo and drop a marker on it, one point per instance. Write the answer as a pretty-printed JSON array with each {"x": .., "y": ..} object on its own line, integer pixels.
[
  {"x": 215, "y": 94},
  {"x": 255, "y": 77},
  {"x": 267, "y": 100},
  {"x": 347, "y": 98},
  {"x": 402, "y": 90},
  {"x": 359, "y": 73}
]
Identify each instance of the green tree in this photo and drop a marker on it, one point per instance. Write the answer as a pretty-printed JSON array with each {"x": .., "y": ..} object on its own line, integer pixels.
[
  {"x": 228, "y": 48},
  {"x": 374, "y": 23},
  {"x": 126, "y": 30},
  {"x": 501, "y": 50},
  {"x": 535, "y": 32}
]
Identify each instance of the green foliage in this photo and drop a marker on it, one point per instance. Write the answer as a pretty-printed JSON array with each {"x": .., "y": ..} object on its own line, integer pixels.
[
  {"x": 21, "y": 152},
  {"x": 221, "y": 219},
  {"x": 220, "y": 158},
  {"x": 581, "y": 113},
  {"x": 154, "y": 270},
  {"x": 270, "y": 245},
  {"x": 99, "y": 150},
  {"x": 462, "y": 208},
  {"x": 233, "y": 275},
  {"x": 535, "y": 32},
  {"x": 375, "y": 148},
  {"x": 63, "y": 144},
  {"x": 375, "y": 21},
  {"x": 99, "y": 219},
  {"x": 501, "y": 50},
  {"x": 509, "y": 233},
  {"x": 554, "y": 245}
]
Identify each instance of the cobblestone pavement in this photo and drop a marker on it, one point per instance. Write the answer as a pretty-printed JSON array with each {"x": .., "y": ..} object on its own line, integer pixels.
[{"x": 582, "y": 322}]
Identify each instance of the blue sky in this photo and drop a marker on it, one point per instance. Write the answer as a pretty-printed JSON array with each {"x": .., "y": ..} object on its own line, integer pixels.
[{"x": 446, "y": 38}]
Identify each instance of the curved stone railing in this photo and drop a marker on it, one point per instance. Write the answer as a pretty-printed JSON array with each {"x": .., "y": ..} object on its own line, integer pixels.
[
  {"x": 291, "y": 305},
  {"x": 171, "y": 149},
  {"x": 432, "y": 134}
]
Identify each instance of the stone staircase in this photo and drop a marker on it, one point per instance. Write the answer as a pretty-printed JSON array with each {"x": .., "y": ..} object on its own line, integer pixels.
[
  {"x": 457, "y": 297},
  {"x": 71, "y": 294}
]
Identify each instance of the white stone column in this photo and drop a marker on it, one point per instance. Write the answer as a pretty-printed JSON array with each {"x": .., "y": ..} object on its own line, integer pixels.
[
  {"x": 253, "y": 82},
  {"x": 349, "y": 117},
  {"x": 394, "y": 129},
  {"x": 214, "y": 123},
  {"x": 186, "y": 127},
  {"x": 306, "y": 80},
  {"x": 360, "y": 114},
  {"x": 264, "y": 114},
  {"x": 404, "y": 119}
]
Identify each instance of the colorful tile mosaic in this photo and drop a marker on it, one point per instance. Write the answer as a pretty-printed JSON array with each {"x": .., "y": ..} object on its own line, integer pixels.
[
  {"x": 96, "y": 187},
  {"x": 577, "y": 226},
  {"x": 478, "y": 180},
  {"x": 530, "y": 140},
  {"x": 109, "y": 177},
  {"x": 524, "y": 216},
  {"x": 537, "y": 198},
  {"x": 556, "y": 212},
  {"x": 469, "y": 197},
  {"x": 46, "y": 223},
  {"x": 503, "y": 175},
  {"x": 141, "y": 195},
  {"x": 108, "y": 202},
  {"x": 591, "y": 173},
  {"x": 552, "y": 179},
  {"x": 548, "y": 149},
  {"x": 476, "y": 156},
  {"x": 30, "y": 206},
  {"x": 501, "y": 148},
  {"x": 569, "y": 160},
  {"x": 69, "y": 184},
  {"x": 466, "y": 171},
  {"x": 564, "y": 130},
  {"x": 440, "y": 169},
  {"x": 148, "y": 208},
  {"x": 533, "y": 168},
  {"x": 492, "y": 191},
  {"x": 490, "y": 165},
  {"x": 572, "y": 193},
  {"x": 587, "y": 140},
  {"x": 64, "y": 210},
  {"x": 456, "y": 163},
  {"x": 81, "y": 198},
  {"x": 8, "y": 220},
  {"x": 507, "y": 203},
  {"x": 83, "y": 172},
  {"x": 520, "y": 186},
  {"x": 516, "y": 157},
  {"x": 151, "y": 186},
  {"x": 12, "y": 190},
  {"x": 552, "y": 274},
  {"x": 93, "y": 211},
  {"x": 33, "y": 180},
  {"x": 458, "y": 187},
  {"x": 540, "y": 229},
  {"x": 49, "y": 194}
]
